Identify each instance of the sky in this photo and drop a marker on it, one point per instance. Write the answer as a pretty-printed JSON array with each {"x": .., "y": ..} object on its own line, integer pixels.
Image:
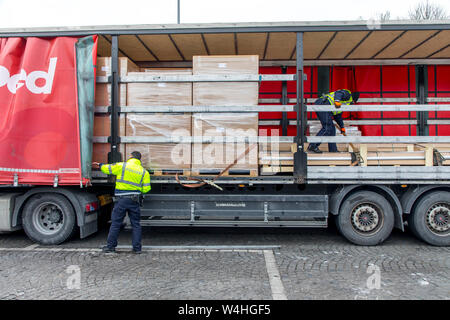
[{"x": 52, "y": 13}]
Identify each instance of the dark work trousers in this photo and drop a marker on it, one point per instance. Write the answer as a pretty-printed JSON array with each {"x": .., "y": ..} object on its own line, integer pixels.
[
  {"x": 121, "y": 207},
  {"x": 328, "y": 128}
]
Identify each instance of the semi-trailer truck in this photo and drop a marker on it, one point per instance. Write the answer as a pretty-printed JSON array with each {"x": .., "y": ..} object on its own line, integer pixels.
[{"x": 47, "y": 90}]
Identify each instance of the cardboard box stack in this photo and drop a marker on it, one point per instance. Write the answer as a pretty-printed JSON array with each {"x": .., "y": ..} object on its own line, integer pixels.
[
  {"x": 103, "y": 90},
  {"x": 225, "y": 93},
  {"x": 216, "y": 157},
  {"x": 198, "y": 157},
  {"x": 102, "y": 123},
  {"x": 160, "y": 157},
  {"x": 160, "y": 93}
]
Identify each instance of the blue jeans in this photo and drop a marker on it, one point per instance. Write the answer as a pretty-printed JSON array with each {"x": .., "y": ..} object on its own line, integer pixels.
[
  {"x": 121, "y": 207},
  {"x": 328, "y": 128}
]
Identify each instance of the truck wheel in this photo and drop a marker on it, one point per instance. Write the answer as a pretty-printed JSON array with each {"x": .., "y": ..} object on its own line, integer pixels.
[
  {"x": 365, "y": 218},
  {"x": 49, "y": 219},
  {"x": 430, "y": 220}
]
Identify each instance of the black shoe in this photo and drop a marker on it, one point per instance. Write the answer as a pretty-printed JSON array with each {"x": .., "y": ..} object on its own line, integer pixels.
[
  {"x": 107, "y": 249},
  {"x": 137, "y": 252},
  {"x": 315, "y": 150}
]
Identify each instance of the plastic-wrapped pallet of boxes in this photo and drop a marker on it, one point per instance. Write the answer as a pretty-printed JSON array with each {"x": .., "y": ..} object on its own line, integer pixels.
[
  {"x": 210, "y": 158},
  {"x": 160, "y": 157},
  {"x": 213, "y": 157},
  {"x": 102, "y": 122}
]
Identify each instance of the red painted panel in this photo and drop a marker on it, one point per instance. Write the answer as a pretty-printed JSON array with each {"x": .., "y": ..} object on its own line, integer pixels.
[{"x": 38, "y": 99}]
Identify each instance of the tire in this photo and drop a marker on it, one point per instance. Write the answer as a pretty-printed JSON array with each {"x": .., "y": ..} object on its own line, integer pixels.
[
  {"x": 430, "y": 220},
  {"x": 365, "y": 218},
  {"x": 49, "y": 219}
]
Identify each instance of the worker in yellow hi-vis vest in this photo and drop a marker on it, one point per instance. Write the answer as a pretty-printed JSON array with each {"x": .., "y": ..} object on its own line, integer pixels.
[
  {"x": 336, "y": 98},
  {"x": 132, "y": 180}
]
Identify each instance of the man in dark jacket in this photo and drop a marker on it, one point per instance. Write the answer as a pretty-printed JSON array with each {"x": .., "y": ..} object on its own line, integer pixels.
[
  {"x": 132, "y": 180},
  {"x": 336, "y": 98}
]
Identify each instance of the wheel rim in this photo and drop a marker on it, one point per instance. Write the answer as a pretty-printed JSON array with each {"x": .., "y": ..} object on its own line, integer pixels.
[
  {"x": 48, "y": 218},
  {"x": 438, "y": 218},
  {"x": 366, "y": 218}
]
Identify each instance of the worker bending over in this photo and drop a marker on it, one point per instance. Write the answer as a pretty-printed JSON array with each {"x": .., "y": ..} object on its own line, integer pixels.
[
  {"x": 337, "y": 98},
  {"x": 132, "y": 180}
]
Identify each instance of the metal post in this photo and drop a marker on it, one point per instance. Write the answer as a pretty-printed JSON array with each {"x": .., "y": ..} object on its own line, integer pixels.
[
  {"x": 422, "y": 95},
  {"x": 114, "y": 140},
  {"x": 300, "y": 160},
  {"x": 178, "y": 11},
  {"x": 284, "y": 101}
]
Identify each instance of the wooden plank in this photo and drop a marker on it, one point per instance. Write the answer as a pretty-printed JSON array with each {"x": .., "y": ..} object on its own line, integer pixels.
[
  {"x": 342, "y": 44},
  {"x": 190, "y": 45},
  {"x": 270, "y": 169},
  {"x": 430, "y": 46},
  {"x": 134, "y": 48},
  {"x": 408, "y": 41},
  {"x": 162, "y": 46},
  {"x": 363, "y": 154},
  {"x": 314, "y": 42},
  {"x": 281, "y": 147},
  {"x": 367, "y": 49},
  {"x": 281, "y": 45},
  {"x": 416, "y": 158},
  {"x": 444, "y": 54},
  {"x": 208, "y": 173},
  {"x": 276, "y": 163},
  {"x": 429, "y": 156},
  {"x": 446, "y": 155},
  {"x": 251, "y": 43},
  {"x": 220, "y": 43},
  {"x": 170, "y": 172}
]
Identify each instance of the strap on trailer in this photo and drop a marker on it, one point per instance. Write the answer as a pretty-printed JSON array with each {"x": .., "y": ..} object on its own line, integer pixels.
[{"x": 203, "y": 182}]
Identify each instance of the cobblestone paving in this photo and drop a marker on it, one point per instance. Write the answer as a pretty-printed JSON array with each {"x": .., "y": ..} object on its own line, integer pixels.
[{"x": 313, "y": 264}]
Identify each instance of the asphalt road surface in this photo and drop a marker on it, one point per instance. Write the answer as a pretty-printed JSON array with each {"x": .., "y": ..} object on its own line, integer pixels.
[{"x": 221, "y": 263}]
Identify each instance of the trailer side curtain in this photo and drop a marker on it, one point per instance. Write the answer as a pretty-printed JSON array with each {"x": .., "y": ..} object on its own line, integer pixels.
[{"x": 86, "y": 56}]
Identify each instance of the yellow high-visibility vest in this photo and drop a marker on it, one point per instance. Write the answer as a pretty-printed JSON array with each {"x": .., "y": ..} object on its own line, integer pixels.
[
  {"x": 130, "y": 175},
  {"x": 330, "y": 98}
]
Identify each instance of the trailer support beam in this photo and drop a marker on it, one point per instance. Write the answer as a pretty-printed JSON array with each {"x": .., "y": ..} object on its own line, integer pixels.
[
  {"x": 422, "y": 94},
  {"x": 284, "y": 101},
  {"x": 114, "y": 155},
  {"x": 300, "y": 160}
]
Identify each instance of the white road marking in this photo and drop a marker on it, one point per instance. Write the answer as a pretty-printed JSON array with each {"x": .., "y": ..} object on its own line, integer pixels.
[
  {"x": 51, "y": 249},
  {"x": 31, "y": 247},
  {"x": 243, "y": 248},
  {"x": 276, "y": 284},
  {"x": 210, "y": 247}
]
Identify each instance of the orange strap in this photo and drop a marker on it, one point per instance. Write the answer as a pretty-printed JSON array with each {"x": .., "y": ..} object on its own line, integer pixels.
[{"x": 203, "y": 182}]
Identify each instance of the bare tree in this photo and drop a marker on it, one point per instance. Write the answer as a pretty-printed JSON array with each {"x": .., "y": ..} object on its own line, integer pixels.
[
  {"x": 428, "y": 11},
  {"x": 383, "y": 16}
]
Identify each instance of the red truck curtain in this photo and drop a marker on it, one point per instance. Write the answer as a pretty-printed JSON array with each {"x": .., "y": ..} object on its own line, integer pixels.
[{"x": 39, "y": 132}]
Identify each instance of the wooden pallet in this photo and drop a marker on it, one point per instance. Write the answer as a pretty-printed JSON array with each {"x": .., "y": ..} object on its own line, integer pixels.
[
  {"x": 169, "y": 172},
  {"x": 231, "y": 173},
  {"x": 282, "y": 147},
  {"x": 270, "y": 170},
  {"x": 272, "y": 163}
]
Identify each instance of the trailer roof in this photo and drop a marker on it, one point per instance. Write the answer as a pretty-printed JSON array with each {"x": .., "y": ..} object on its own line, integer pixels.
[{"x": 403, "y": 41}]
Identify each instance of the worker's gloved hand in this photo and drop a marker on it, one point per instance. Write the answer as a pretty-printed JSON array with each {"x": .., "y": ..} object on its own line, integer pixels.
[
  {"x": 337, "y": 104},
  {"x": 343, "y": 130}
]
